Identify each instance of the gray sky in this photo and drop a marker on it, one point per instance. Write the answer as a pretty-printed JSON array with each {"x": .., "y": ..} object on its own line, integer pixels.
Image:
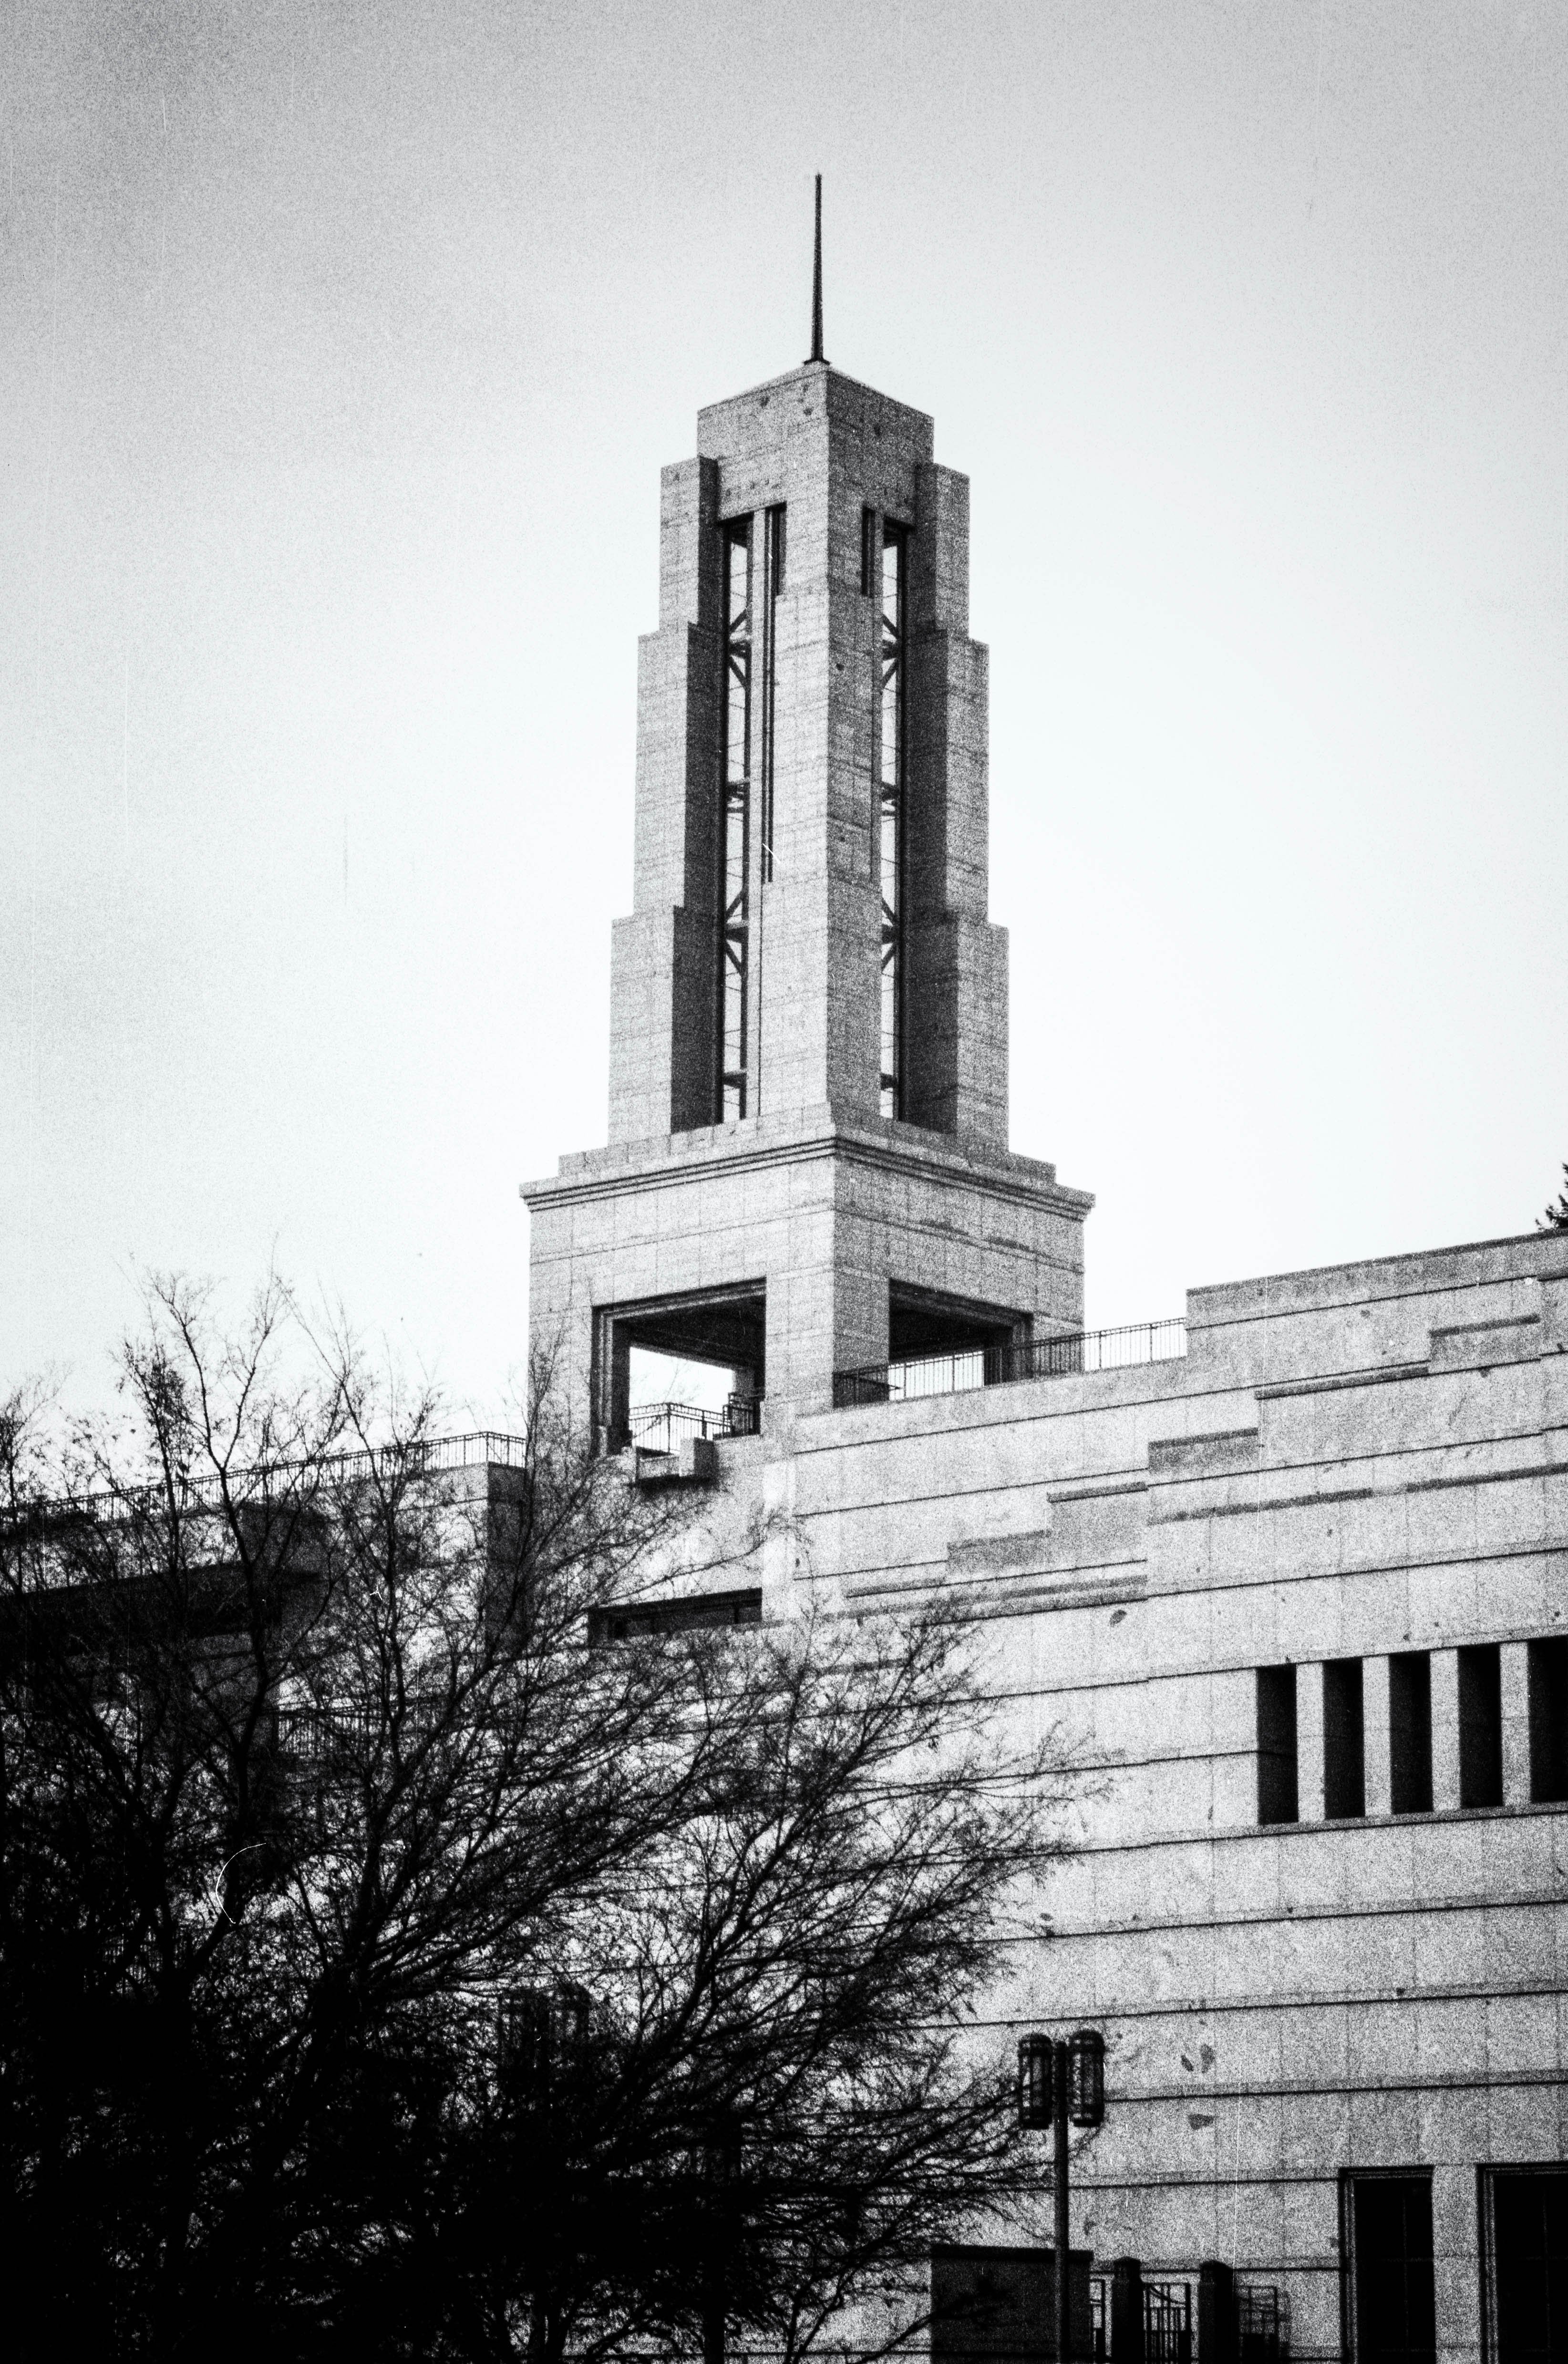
[{"x": 340, "y": 350}]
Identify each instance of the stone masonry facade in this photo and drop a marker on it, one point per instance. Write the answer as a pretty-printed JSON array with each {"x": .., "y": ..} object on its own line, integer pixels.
[
  {"x": 1289, "y": 1596},
  {"x": 1363, "y": 1467}
]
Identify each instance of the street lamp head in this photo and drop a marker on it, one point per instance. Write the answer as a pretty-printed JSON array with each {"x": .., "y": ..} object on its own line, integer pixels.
[
  {"x": 722, "y": 2154},
  {"x": 1086, "y": 2077},
  {"x": 543, "y": 2036},
  {"x": 525, "y": 2045},
  {"x": 1036, "y": 2065},
  {"x": 572, "y": 2019}
]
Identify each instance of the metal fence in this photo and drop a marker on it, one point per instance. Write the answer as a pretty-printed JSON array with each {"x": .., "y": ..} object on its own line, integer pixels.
[
  {"x": 1263, "y": 2325},
  {"x": 260, "y": 1480},
  {"x": 1032, "y": 1359},
  {"x": 660, "y": 1427},
  {"x": 315, "y": 1736},
  {"x": 479, "y": 1447},
  {"x": 1167, "y": 2323}
]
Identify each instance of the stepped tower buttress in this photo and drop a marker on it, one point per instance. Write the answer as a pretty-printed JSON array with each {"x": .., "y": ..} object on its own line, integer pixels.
[{"x": 807, "y": 1168}]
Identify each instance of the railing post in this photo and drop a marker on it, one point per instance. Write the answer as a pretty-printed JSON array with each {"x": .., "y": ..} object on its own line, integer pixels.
[
  {"x": 1127, "y": 2311},
  {"x": 1216, "y": 2313}
]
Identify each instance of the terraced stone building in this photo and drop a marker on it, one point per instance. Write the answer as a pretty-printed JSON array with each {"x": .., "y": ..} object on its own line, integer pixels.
[{"x": 1287, "y": 1574}]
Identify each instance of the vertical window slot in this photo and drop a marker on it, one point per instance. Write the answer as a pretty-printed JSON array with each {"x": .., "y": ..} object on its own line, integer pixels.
[
  {"x": 868, "y": 554},
  {"x": 774, "y": 577},
  {"x": 1481, "y": 1725},
  {"x": 734, "y": 855},
  {"x": 1548, "y": 1676},
  {"x": 894, "y": 589},
  {"x": 1277, "y": 1791},
  {"x": 1410, "y": 1733},
  {"x": 1344, "y": 1763}
]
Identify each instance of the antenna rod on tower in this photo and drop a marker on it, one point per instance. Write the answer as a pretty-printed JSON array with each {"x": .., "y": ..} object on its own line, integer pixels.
[{"x": 816, "y": 354}]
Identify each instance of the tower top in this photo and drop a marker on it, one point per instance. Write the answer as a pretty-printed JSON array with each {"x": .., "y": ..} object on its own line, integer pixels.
[{"x": 815, "y": 354}]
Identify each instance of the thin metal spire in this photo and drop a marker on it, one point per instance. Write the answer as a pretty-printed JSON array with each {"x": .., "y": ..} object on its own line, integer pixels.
[{"x": 816, "y": 353}]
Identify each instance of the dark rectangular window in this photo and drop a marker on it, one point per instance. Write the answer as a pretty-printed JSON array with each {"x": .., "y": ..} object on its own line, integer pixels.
[
  {"x": 868, "y": 552},
  {"x": 1481, "y": 1725},
  {"x": 1344, "y": 1764},
  {"x": 1277, "y": 1797},
  {"x": 695, "y": 1612},
  {"x": 1394, "y": 2298},
  {"x": 1528, "y": 2260},
  {"x": 1548, "y": 1720},
  {"x": 1410, "y": 1732}
]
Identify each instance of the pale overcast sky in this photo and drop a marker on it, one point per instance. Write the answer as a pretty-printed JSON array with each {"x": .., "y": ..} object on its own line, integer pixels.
[{"x": 341, "y": 347}]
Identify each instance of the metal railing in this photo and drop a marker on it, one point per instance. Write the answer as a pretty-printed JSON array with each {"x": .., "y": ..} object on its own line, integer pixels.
[
  {"x": 660, "y": 1427},
  {"x": 1167, "y": 2323},
  {"x": 314, "y": 1735},
  {"x": 253, "y": 1482},
  {"x": 487, "y": 1447},
  {"x": 1263, "y": 2323},
  {"x": 1000, "y": 1365}
]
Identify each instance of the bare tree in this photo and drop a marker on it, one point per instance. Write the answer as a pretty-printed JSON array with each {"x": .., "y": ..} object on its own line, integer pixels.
[
  {"x": 381, "y": 1959},
  {"x": 781, "y": 2099}
]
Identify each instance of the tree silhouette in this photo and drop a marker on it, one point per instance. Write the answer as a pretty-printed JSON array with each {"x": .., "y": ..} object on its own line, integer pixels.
[{"x": 384, "y": 1960}]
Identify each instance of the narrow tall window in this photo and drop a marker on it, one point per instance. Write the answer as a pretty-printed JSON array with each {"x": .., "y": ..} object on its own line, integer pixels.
[
  {"x": 1393, "y": 2311},
  {"x": 895, "y": 551},
  {"x": 1277, "y": 1801},
  {"x": 1410, "y": 1733},
  {"x": 734, "y": 847},
  {"x": 1548, "y": 1664},
  {"x": 1344, "y": 1764},
  {"x": 1481, "y": 1726},
  {"x": 773, "y": 576},
  {"x": 1528, "y": 2267}
]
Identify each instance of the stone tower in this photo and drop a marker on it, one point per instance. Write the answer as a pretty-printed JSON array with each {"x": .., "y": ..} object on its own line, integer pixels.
[{"x": 807, "y": 1170}]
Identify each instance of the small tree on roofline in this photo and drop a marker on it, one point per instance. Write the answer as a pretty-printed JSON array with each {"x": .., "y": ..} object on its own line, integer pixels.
[
  {"x": 1555, "y": 1218},
  {"x": 385, "y": 1963}
]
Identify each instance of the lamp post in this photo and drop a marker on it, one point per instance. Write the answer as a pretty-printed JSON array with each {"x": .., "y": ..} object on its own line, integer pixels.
[
  {"x": 543, "y": 2043},
  {"x": 721, "y": 2165},
  {"x": 1062, "y": 2084}
]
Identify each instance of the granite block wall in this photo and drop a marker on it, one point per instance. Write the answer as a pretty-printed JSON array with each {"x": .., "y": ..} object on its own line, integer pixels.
[
  {"x": 1348, "y": 1464},
  {"x": 826, "y": 1214}
]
